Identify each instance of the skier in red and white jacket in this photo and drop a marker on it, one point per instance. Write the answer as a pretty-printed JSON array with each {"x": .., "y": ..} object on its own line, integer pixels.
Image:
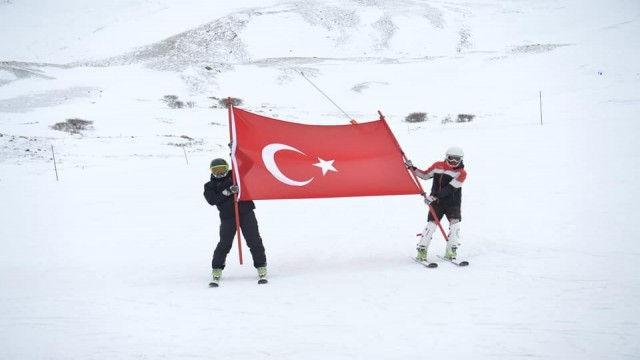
[{"x": 445, "y": 198}]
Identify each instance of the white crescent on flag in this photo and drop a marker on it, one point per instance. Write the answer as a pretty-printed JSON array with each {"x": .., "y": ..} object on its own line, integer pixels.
[{"x": 268, "y": 157}]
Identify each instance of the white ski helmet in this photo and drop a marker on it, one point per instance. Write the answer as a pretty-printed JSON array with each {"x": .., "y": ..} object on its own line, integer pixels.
[{"x": 454, "y": 155}]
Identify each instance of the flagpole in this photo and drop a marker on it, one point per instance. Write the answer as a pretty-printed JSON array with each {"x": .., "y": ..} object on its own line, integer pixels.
[
  {"x": 404, "y": 157},
  {"x": 233, "y": 177},
  {"x": 415, "y": 178}
]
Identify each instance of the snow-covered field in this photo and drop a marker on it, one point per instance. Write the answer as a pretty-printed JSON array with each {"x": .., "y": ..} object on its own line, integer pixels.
[{"x": 112, "y": 260}]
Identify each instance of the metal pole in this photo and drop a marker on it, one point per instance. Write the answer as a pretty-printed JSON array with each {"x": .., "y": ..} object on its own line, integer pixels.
[
  {"x": 185, "y": 154},
  {"x": 351, "y": 120},
  {"x": 540, "y": 108},
  {"x": 55, "y": 166}
]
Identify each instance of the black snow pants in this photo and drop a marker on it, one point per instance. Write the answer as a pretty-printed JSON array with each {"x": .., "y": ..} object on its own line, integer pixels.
[
  {"x": 452, "y": 211},
  {"x": 249, "y": 227}
]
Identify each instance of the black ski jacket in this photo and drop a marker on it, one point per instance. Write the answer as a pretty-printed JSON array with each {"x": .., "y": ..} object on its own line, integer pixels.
[
  {"x": 447, "y": 181},
  {"x": 213, "y": 193}
]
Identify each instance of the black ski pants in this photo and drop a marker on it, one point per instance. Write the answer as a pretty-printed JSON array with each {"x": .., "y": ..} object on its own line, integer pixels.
[
  {"x": 452, "y": 211},
  {"x": 249, "y": 227}
]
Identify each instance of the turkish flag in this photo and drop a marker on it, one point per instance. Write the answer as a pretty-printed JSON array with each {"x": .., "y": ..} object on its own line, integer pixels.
[{"x": 276, "y": 159}]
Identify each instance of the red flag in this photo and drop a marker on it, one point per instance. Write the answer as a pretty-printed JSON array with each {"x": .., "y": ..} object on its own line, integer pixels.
[{"x": 277, "y": 159}]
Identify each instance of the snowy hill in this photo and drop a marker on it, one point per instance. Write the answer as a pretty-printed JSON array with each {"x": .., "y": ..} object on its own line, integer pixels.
[{"x": 112, "y": 260}]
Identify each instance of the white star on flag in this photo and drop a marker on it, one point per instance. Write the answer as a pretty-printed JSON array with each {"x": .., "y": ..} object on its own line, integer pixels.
[{"x": 325, "y": 166}]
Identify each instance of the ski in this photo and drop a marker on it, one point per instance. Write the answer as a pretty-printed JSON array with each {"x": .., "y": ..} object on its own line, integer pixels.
[
  {"x": 262, "y": 279},
  {"x": 260, "y": 282},
  {"x": 428, "y": 264},
  {"x": 454, "y": 262},
  {"x": 217, "y": 283}
]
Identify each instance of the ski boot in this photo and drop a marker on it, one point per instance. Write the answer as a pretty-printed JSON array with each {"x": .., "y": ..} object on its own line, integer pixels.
[
  {"x": 422, "y": 253},
  {"x": 216, "y": 273},
  {"x": 262, "y": 275},
  {"x": 451, "y": 252}
]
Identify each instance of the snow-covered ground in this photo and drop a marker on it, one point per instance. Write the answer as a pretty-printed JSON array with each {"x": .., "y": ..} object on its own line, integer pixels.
[{"x": 111, "y": 261}]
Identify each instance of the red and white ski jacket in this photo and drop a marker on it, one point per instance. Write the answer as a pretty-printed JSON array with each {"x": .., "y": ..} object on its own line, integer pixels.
[{"x": 447, "y": 181}]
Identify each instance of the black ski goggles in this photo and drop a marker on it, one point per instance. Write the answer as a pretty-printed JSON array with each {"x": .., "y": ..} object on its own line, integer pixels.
[{"x": 454, "y": 160}]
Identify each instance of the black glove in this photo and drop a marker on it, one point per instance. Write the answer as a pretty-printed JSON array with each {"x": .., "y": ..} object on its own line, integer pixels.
[
  {"x": 409, "y": 165},
  {"x": 429, "y": 199},
  {"x": 233, "y": 189}
]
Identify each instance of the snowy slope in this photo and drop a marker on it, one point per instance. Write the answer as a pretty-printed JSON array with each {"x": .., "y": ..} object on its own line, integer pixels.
[{"x": 112, "y": 261}]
